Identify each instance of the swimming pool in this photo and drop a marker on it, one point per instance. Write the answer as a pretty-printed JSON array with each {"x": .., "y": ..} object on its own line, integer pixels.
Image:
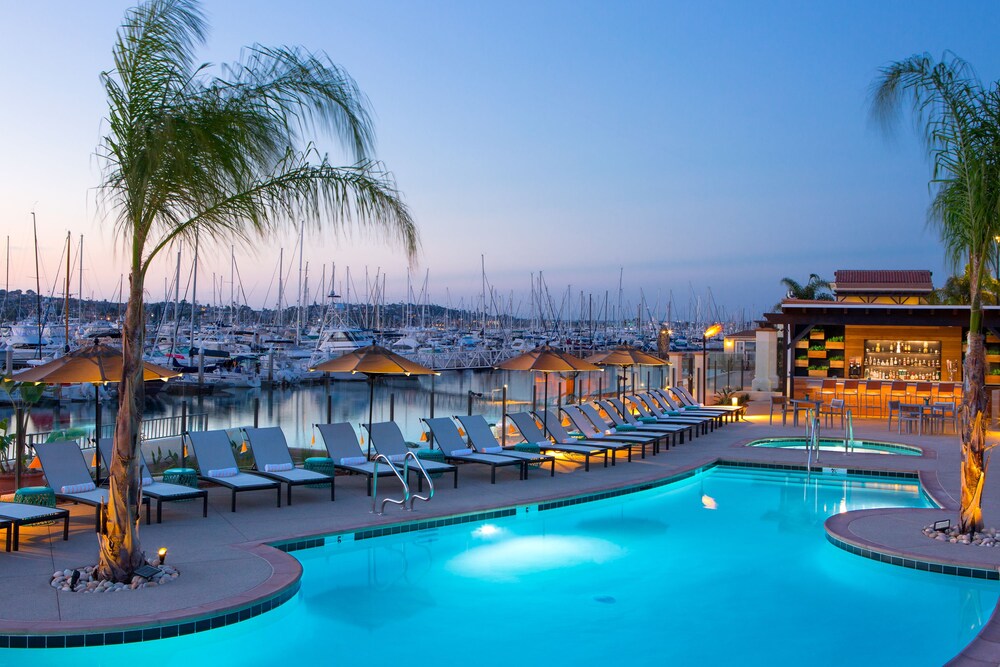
[
  {"x": 728, "y": 566},
  {"x": 835, "y": 445}
]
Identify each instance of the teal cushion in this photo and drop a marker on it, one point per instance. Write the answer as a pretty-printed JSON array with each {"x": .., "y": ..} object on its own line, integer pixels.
[
  {"x": 674, "y": 413},
  {"x": 647, "y": 420},
  {"x": 692, "y": 407},
  {"x": 625, "y": 427}
]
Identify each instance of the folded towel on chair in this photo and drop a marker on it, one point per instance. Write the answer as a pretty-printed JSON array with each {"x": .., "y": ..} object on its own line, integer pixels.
[
  {"x": 224, "y": 472},
  {"x": 78, "y": 488}
]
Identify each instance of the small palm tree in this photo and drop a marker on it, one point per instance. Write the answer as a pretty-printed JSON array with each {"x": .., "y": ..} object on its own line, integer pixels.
[
  {"x": 962, "y": 134},
  {"x": 223, "y": 157},
  {"x": 815, "y": 289}
]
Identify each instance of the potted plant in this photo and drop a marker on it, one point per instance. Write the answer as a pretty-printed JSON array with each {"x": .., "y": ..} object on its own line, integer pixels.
[{"x": 22, "y": 395}]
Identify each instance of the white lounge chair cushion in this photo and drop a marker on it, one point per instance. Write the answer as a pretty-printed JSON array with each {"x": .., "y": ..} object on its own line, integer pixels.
[
  {"x": 224, "y": 472},
  {"x": 353, "y": 460},
  {"x": 278, "y": 467},
  {"x": 492, "y": 450},
  {"x": 461, "y": 452},
  {"x": 78, "y": 488}
]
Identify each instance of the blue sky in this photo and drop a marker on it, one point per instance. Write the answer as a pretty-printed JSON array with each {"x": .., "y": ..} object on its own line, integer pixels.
[{"x": 711, "y": 145}]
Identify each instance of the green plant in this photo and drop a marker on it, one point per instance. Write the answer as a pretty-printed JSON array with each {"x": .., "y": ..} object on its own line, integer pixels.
[
  {"x": 725, "y": 396},
  {"x": 816, "y": 367},
  {"x": 835, "y": 339},
  {"x": 22, "y": 395},
  {"x": 837, "y": 357},
  {"x": 802, "y": 357},
  {"x": 161, "y": 461},
  {"x": 817, "y": 346},
  {"x": 993, "y": 349},
  {"x": 995, "y": 371}
]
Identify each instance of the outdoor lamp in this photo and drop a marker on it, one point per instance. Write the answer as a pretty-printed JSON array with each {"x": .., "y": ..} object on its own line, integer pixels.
[{"x": 162, "y": 553}]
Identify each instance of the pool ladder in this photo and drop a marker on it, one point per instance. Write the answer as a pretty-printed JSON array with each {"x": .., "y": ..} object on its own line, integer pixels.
[
  {"x": 849, "y": 433},
  {"x": 812, "y": 439},
  {"x": 406, "y": 502}
]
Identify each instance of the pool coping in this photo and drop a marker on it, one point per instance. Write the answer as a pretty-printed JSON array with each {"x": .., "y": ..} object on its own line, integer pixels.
[{"x": 284, "y": 581}]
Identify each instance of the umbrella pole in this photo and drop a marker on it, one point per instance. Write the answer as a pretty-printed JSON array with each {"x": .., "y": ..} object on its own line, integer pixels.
[
  {"x": 97, "y": 434},
  {"x": 371, "y": 405},
  {"x": 545, "y": 405},
  {"x": 432, "y": 397},
  {"x": 503, "y": 418}
]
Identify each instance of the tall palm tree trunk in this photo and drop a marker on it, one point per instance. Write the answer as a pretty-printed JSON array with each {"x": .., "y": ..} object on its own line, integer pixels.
[
  {"x": 973, "y": 470},
  {"x": 120, "y": 551}
]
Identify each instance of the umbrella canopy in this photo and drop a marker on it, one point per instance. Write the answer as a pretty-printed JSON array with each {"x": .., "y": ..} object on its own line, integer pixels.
[
  {"x": 96, "y": 364},
  {"x": 373, "y": 360},
  {"x": 547, "y": 359},
  {"x": 625, "y": 355}
]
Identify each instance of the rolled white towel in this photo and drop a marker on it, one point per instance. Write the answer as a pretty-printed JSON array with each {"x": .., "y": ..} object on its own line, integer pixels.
[
  {"x": 278, "y": 467},
  {"x": 460, "y": 452},
  {"x": 78, "y": 488},
  {"x": 224, "y": 472},
  {"x": 352, "y": 460},
  {"x": 396, "y": 458},
  {"x": 146, "y": 481},
  {"x": 492, "y": 450}
]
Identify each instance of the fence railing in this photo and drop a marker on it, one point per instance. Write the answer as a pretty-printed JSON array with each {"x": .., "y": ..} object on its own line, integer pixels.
[{"x": 157, "y": 427}]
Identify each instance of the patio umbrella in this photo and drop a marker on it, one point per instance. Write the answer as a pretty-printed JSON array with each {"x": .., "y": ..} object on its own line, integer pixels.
[
  {"x": 373, "y": 361},
  {"x": 546, "y": 359},
  {"x": 95, "y": 364},
  {"x": 624, "y": 356}
]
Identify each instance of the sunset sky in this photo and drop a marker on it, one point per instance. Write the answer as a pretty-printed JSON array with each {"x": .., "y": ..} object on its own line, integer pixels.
[{"x": 697, "y": 146}]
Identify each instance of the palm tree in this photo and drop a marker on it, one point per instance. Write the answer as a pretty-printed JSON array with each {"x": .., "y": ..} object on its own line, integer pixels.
[
  {"x": 816, "y": 289},
  {"x": 960, "y": 128},
  {"x": 224, "y": 157}
]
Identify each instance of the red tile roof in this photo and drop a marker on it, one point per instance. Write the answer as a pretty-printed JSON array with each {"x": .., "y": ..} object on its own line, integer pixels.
[{"x": 882, "y": 281}]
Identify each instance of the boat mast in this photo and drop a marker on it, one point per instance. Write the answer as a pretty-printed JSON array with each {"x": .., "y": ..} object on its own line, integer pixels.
[
  {"x": 194, "y": 294},
  {"x": 66, "y": 294},
  {"x": 298, "y": 308},
  {"x": 38, "y": 285},
  {"x": 80, "y": 293}
]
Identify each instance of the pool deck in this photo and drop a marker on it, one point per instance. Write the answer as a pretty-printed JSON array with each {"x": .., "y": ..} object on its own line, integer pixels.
[{"x": 226, "y": 562}]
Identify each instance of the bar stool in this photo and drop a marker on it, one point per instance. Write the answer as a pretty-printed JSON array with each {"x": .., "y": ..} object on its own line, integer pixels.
[
  {"x": 850, "y": 393},
  {"x": 828, "y": 389},
  {"x": 946, "y": 391},
  {"x": 781, "y": 403},
  {"x": 873, "y": 396},
  {"x": 924, "y": 390},
  {"x": 897, "y": 391}
]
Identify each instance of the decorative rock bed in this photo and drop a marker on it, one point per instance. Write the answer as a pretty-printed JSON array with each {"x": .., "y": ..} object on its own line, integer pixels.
[
  {"x": 987, "y": 538},
  {"x": 86, "y": 583}
]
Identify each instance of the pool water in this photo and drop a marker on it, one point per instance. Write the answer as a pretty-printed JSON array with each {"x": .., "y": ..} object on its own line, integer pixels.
[
  {"x": 727, "y": 567},
  {"x": 834, "y": 445}
]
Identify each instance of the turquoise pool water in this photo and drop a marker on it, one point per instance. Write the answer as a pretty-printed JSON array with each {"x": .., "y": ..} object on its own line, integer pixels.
[
  {"x": 834, "y": 445},
  {"x": 727, "y": 567}
]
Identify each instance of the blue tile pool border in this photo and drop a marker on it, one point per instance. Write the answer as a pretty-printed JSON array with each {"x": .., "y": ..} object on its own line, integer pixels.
[
  {"x": 130, "y": 636},
  {"x": 915, "y": 563}
]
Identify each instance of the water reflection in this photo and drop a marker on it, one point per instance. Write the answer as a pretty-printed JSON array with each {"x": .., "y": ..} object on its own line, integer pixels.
[{"x": 296, "y": 409}]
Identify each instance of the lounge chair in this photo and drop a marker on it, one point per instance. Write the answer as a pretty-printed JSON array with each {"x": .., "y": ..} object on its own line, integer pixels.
[
  {"x": 481, "y": 439},
  {"x": 449, "y": 441},
  {"x": 553, "y": 424},
  {"x": 159, "y": 491},
  {"x": 15, "y": 515},
  {"x": 273, "y": 460},
  {"x": 650, "y": 408},
  {"x": 670, "y": 404},
  {"x": 388, "y": 440},
  {"x": 68, "y": 475},
  {"x": 699, "y": 423},
  {"x": 667, "y": 433},
  {"x": 604, "y": 433},
  {"x": 217, "y": 464},
  {"x": 532, "y": 432},
  {"x": 685, "y": 397},
  {"x": 623, "y": 421},
  {"x": 342, "y": 446}
]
